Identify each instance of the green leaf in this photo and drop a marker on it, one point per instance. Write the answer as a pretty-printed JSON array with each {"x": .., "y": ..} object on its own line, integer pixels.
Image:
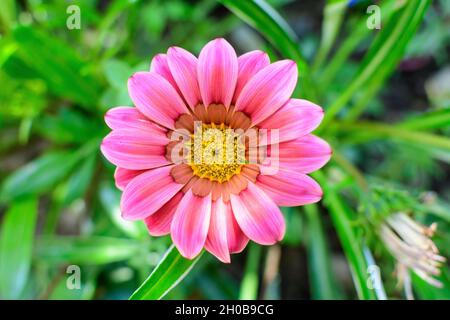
[
  {"x": 250, "y": 281},
  {"x": 86, "y": 250},
  {"x": 79, "y": 181},
  {"x": 109, "y": 26},
  {"x": 332, "y": 19},
  {"x": 167, "y": 274},
  {"x": 351, "y": 245},
  {"x": 7, "y": 13},
  {"x": 340, "y": 215},
  {"x": 156, "y": 19},
  {"x": 16, "y": 244},
  {"x": 437, "y": 207},
  {"x": 437, "y": 145},
  {"x": 39, "y": 175},
  {"x": 117, "y": 72},
  {"x": 322, "y": 283},
  {"x": 437, "y": 119},
  {"x": 85, "y": 292},
  {"x": 382, "y": 56},
  {"x": 110, "y": 200},
  {"x": 62, "y": 69},
  {"x": 69, "y": 126},
  {"x": 115, "y": 97},
  {"x": 426, "y": 291},
  {"x": 294, "y": 225},
  {"x": 405, "y": 30},
  {"x": 19, "y": 98},
  {"x": 260, "y": 15},
  {"x": 359, "y": 32}
]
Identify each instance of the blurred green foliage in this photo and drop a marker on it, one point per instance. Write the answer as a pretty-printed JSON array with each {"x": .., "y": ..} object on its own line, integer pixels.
[{"x": 386, "y": 97}]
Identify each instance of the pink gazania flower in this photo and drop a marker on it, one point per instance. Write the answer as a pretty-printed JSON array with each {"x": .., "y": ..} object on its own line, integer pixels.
[{"x": 215, "y": 206}]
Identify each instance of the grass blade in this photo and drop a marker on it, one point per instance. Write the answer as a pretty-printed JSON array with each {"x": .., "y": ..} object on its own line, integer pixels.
[
  {"x": 383, "y": 55},
  {"x": 250, "y": 281},
  {"x": 333, "y": 13},
  {"x": 436, "y": 119},
  {"x": 352, "y": 246},
  {"x": 322, "y": 283},
  {"x": 359, "y": 32},
  {"x": 168, "y": 273}
]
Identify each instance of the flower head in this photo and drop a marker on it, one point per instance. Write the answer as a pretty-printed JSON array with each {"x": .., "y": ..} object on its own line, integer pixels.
[
  {"x": 213, "y": 146},
  {"x": 410, "y": 243}
]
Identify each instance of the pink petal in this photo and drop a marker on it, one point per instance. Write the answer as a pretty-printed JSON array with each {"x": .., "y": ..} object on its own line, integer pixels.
[
  {"x": 305, "y": 154},
  {"x": 249, "y": 64},
  {"x": 160, "y": 66},
  {"x": 130, "y": 118},
  {"x": 158, "y": 224},
  {"x": 190, "y": 224},
  {"x": 183, "y": 66},
  {"x": 237, "y": 240},
  {"x": 148, "y": 192},
  {"x": 224, "y": 235},
  {"x": 135, "y": 149},
  {"x": 217, "y": 242},
  {"x": 258, "y": 216},
  {"x": 290, "y": 188},
  {"x": 217, "y": 72},
  {"x": 123, "y": 176},
  {"x": 156, "y": 98},
  {"x": 295, "y": 119},
  {"x": 268, "y": 90}
]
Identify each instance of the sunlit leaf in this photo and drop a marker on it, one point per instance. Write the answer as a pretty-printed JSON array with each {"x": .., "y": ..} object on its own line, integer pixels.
[
  {"x": 250, "y": 281},
  {"x": 58, "y": 65},
  {"x": 7, "y": 13},
  {"x": 21, "y": 98}
]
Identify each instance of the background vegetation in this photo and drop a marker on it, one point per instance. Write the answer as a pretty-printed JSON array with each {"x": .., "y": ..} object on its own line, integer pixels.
[{"x": 386, "y": 93}]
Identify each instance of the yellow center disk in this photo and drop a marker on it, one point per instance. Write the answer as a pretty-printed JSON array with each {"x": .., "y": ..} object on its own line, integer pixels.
[{"x": 216, "y": 152}]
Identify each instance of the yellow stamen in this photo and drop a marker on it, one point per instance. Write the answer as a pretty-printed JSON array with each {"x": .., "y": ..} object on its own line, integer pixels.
[{"x": 215, "y": 152}]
